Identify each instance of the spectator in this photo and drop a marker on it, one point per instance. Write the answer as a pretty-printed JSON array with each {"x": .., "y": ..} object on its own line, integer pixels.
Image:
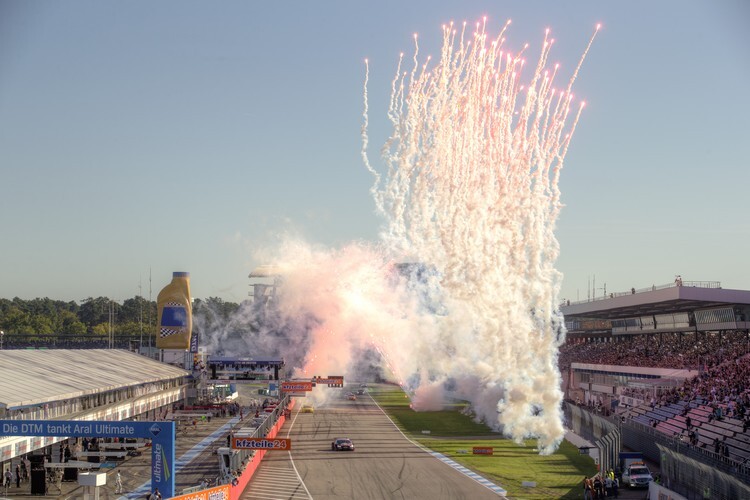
[
  {"x": 118, "y": 483},
  {"x": 608, "y": 486}
]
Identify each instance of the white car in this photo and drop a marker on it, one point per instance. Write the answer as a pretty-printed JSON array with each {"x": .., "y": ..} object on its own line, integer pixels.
[{"x": 637, "y": 475}]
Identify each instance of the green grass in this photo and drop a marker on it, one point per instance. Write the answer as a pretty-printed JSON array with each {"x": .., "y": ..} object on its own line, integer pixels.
[
  {"x": 450, "y": 422},
  {"x": 557, "y": 476}
]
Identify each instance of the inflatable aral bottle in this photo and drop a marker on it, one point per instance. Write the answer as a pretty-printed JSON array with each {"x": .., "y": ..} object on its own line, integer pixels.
[{"x": 175, "y": 313}]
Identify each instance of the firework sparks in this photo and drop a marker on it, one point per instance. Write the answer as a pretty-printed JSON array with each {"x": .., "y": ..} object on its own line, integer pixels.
[
  {"x": 471, "y": 189},
  {"x": 469, "y": 195}
]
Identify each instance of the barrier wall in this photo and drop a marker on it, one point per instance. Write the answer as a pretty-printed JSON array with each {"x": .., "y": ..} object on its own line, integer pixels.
[
  {"x": 694, "y": 479},
  {"x": 686, "y": 470},
  {"x": 218, "y": 493},
  {"x": 252, "y": 466}
]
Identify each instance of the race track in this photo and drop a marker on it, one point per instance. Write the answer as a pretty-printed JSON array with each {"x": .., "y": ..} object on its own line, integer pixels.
[{"x": 385, "y": 464}]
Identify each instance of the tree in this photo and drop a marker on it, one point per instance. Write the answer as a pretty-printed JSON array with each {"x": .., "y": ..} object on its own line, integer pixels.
[
  {"x": 41, "y": 324},
  {"x": 5, "y": 305},
  {"x": 100, "y": 329},
  {"x": 41, "y": 307},
  {"x": 96, "y": 311},
  {"x": 69, "y": 324},
  {"x": 134, "y": 310},
  {"x": 16, "y": 321},
  {"x": 131, "y": 328}
]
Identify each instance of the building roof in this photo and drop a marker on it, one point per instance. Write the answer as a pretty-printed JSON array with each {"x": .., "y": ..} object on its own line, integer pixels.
[
  {"x": 674, "y": 299},
  {"x": 37, "y": 376},
  {"x": 267, "y": 271}
]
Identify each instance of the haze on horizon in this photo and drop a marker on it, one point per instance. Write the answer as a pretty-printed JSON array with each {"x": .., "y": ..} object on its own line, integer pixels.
[{"x": 140, "y": 141}]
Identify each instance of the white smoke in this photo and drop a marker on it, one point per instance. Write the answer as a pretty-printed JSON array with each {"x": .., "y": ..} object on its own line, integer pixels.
[
  {"x": 469, "y": 195},
  {"x": 470, "y": 190}
]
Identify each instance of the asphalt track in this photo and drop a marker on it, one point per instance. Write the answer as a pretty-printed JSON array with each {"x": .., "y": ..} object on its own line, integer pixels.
[{"x": 385, "y": 463}]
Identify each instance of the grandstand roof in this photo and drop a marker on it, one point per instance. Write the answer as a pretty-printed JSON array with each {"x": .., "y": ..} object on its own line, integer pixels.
[
  {"x": 658, "y": 301},
  {"x": 267, "y": 271},
  {"x": 30, "y": 377}
]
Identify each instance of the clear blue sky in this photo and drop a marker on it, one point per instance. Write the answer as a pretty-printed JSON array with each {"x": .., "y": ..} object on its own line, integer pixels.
[{"x": 183, "y": 136}]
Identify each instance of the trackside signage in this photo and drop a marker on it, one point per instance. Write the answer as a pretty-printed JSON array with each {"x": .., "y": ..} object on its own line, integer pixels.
[
  {"x": 217, "y": 493},
  {"x": 482, "y": 450},
  {"x": 241, "y": 443},
  {"x": 297, "y": 394},
  {"x": 296, "y": 386},
  {"x": 330, "y": 381},
  {"x": 160, "y": 433}
]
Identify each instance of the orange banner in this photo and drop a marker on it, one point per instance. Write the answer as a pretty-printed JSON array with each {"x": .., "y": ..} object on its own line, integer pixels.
[
  {"x": 330, "y": 381},
  {"x": 218, "y": 493},
  {"x": 482, "y": 450},
  {"x": 296, "y": 386}
]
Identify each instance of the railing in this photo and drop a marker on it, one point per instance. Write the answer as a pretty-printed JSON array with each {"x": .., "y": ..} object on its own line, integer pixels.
[
  {"x": 63, "y": 341},
  {"x": 652, "y": 288}
]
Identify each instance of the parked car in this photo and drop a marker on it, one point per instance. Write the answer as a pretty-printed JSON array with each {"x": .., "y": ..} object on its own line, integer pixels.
[{"x": 637, "y": 475}]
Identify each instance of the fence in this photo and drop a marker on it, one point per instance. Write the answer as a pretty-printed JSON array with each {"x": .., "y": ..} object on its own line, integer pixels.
[
  {"x": 600, "y": 431},
  {"x": 691, "y": 471}
]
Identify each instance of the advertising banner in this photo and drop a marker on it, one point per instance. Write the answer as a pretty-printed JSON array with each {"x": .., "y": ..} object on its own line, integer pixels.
[
  {"x": 194, "y": 341},
  {"x": 482, "y": 450},
  {"x": 160, "y": 433},
  {"x": 296, "y": 386},
  {"x": 630, "y": 401},
  {"x": 335, "y": 381},
  {"x": 175, "y": 313},
  {"x": 244, "y": 443},
  {"x": 217, "y": 493}
]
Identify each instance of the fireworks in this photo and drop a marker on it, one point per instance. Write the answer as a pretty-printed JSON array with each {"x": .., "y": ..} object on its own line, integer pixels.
[
  {"x": 470, "y": 188},
  {"x": 469, "y": 195}
]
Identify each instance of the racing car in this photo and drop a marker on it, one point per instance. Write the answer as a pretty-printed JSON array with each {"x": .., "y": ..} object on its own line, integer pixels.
[{"x": 340, "y": 444}]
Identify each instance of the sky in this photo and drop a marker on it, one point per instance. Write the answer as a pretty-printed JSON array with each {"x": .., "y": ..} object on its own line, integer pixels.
[{"x": 141, "y": 138}]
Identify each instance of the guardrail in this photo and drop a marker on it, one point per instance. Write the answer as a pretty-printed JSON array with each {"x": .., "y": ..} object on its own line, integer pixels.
[{"x": 270, "y": 430}]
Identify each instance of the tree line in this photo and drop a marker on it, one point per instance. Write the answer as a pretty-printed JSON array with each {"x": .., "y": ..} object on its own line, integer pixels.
[{"x": 94, "y": 316}]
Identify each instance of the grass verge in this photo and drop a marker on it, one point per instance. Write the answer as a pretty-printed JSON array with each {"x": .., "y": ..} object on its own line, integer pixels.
[{"x": 557, "y": 476}]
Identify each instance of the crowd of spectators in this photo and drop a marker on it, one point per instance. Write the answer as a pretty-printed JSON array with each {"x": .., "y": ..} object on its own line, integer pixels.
[
  {"x": 664, "y": 350},
  {"x": 724, "y": 387},
  {"x": 723, "y": 362},
  {"x": 721, "y": 386}
]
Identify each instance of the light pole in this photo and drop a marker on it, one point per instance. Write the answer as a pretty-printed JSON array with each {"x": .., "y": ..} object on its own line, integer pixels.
[{"x": 2, "y": 334}]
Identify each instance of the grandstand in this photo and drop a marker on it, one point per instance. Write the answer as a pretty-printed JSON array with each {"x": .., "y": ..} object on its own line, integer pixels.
[
  {"x": 665, "y": 370},
  {"x": 682, "y": 307}
]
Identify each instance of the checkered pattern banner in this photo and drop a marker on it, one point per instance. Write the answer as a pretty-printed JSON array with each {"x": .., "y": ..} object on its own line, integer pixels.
[{"x": 166, "y": 332}]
